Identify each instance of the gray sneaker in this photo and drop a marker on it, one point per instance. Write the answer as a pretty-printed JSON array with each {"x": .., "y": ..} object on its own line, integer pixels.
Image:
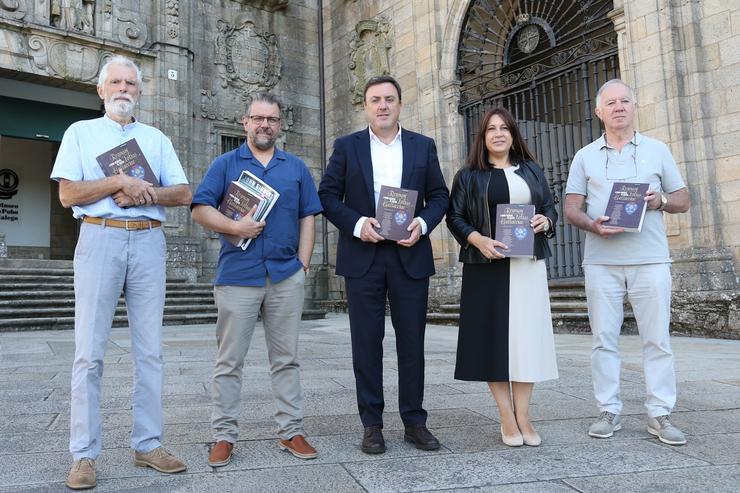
[
  {"x": 662, "y": 428},
  {"x": 606, "y": 425}
]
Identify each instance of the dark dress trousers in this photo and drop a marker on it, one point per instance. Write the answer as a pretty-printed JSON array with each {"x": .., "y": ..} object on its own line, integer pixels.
[{"x": 375, "y": 272}]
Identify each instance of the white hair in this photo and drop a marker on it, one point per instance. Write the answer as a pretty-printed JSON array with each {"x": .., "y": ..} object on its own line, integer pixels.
[
  {"x": 614, "y": 82},
  {"x": 118, "y": 60}
]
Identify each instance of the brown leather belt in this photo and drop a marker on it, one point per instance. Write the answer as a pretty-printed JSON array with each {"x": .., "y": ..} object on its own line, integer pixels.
[{"x": 128, "y": 224}]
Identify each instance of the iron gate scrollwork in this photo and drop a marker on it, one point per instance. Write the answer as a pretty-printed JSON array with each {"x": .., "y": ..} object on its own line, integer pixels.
[{"x": 544, "y": 61}]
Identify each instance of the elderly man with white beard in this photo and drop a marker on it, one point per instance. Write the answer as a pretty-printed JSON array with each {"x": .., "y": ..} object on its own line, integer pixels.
[{"x": 121, "y": 247}]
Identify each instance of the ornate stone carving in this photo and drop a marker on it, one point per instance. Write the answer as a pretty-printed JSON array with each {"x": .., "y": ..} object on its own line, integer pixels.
[
  {"x": 369, "y": 45},
  {"x": 132, "y": 32},
  {"x": 64, "y": 60},
  {"x": 268, "y": 5},
  {"x": 451, "y": 94},
  {"x": 13, "y": 9},
  {"x": 108, "y": 8},
  {"x": 246, "y": 59},
  {"x": 172, "y": 12},
  {"x": 73, "y": 15},
  {"x": 212, "y": 104}
]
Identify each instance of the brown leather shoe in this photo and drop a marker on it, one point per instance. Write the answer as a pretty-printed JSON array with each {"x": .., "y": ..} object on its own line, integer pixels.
[
  {"x": 82, "y": 475},
  {"x": 299, "y": 447},
  {"x": 373, "y": 441},
  {"x": 159, "y": 459},
  {"x": 421, "y": 437},
  {"x": 220, "y": 453}
]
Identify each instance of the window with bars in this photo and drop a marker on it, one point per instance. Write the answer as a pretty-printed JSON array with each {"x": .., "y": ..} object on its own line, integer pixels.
[{"x": 230, "y": 142}]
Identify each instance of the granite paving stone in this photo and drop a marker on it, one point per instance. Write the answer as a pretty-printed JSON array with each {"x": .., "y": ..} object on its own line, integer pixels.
[
  {"x": 34, "y": 421},
  {"x": 722, "y": 479}
]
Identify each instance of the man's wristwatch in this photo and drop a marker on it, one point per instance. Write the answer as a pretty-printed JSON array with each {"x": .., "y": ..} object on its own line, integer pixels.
[{"x": 663, "y": 202}]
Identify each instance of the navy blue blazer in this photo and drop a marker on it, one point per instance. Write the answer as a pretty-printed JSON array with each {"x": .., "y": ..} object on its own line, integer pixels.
[{"x": 346, "y": 193}]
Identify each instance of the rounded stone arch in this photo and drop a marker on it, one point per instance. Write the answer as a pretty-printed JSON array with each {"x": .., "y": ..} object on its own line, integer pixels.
[
  {"x": 544, "y": 62},
  {"x": 453, "y": 131},
  {"x": 451, "y": 40}
]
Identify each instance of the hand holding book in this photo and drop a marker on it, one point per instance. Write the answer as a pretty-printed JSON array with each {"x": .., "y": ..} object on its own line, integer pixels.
[
  {"x": 247, "y": 202},
  {"x": 626, "y": 207},
  {"x": 247, "y": 227}
]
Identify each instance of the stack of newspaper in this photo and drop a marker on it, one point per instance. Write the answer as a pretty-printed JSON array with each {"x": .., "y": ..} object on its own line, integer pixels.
[{"x": 239, "y": 199}]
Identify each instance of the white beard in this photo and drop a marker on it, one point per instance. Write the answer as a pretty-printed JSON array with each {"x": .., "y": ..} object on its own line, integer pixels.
[{"x": 121, "y": 109}]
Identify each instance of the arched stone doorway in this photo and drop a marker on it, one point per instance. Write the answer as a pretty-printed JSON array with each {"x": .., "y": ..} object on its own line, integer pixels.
[{"x": 544, "y": 61}]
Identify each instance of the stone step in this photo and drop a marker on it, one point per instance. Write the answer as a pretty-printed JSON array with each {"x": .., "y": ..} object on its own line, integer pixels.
[
  {"x": 8, "y": 287},
  {"x": 568, "y": 306},
  {"x": 449, "y": 308},
  {"x": 29, "y": 263},
  {"x": 445, "y": 318},
  {"x": 567, "y": 293},
  {"x": 54, "y": 323},
  {"x": 24, "y": 271},
  {"x": 576, "y": 283},
  {"x": 48, "y": 323},
  {"x": 62, "y": 311},
  {"x": 57, "y": 301}
]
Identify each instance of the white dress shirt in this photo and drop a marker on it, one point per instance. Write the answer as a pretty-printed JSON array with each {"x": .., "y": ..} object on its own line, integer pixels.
[{"x": 387, "y": 161}]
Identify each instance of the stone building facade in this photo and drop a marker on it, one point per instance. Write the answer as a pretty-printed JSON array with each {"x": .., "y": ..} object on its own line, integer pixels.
[
  {"x": 682, "y": 57},
  {"x": 453, "y": 58},
  {"x": 199, "y": 61}
]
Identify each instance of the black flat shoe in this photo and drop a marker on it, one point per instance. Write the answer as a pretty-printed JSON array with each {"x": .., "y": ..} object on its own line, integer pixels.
[
  {"x": 373, "y": 442},
  {"x": 421, "y": 437}
]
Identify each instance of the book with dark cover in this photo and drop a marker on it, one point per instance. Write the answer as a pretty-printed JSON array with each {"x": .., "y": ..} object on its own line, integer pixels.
[
  {"x": 626, "y": 206},
  {"x": 513, "y": 229},
  {"x": 239, "y": 199},
  {"x": 395, "y": 212},
  {"x": 128, "y": 158}
]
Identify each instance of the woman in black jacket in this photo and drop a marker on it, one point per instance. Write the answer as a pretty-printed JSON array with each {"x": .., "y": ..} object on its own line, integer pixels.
[{"x": 505, "y": 335}]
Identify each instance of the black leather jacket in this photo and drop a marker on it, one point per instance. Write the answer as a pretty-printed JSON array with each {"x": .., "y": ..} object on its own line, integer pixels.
[{"x": 469, "y": 212}]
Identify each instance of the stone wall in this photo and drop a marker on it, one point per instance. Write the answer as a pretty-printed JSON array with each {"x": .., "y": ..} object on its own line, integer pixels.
[
  {"x": 403, "y": 39},
  {"x": 683, "y": 58},
  {"x": 199, "y": 61}
]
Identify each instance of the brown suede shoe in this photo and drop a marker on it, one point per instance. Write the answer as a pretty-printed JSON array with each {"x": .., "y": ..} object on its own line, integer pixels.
[
  {"x": 299, "y": 447},
  {"x": 159, "y": 459},
  {"x": 82, "y": 475},
  {"x": 220, "y": 453}
]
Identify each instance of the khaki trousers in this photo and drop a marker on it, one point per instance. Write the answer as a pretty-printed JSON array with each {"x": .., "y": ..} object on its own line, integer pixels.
[{"x": 280, "y": 305}]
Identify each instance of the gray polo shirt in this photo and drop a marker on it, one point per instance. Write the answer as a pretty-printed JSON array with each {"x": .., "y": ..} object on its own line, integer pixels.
[{"x": 593, "y": 171}]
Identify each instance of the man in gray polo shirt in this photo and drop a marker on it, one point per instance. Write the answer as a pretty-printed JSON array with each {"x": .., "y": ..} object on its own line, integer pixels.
[
  {"x": 121, "y": 247},
  {"x": 617, "y": 263}
]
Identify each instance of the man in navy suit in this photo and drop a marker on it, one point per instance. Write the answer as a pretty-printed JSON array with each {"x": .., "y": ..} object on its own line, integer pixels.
[{"x": 375, "y": 268}]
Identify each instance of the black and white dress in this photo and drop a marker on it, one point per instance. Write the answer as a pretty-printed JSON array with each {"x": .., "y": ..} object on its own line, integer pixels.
[{"x": 505, "y": 322}]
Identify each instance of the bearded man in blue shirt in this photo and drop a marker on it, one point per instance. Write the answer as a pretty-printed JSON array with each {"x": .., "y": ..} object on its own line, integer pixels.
[{"x": 267, "y": 278}]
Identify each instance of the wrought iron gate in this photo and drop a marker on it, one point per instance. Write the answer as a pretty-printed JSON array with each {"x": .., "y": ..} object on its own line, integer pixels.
[{"x": 544, "y": 62}]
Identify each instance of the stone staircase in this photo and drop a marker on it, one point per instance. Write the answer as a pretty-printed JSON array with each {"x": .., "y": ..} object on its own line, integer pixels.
[
  {"x": 567, "y": 304},
  {"x": 39, "y": 295}
]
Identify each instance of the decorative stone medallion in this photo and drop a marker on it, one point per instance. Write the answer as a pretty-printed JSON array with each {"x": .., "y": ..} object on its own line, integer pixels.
[
  {"x": 369, "y": 46},
  {"x": 69, "y": 61},
  {"x": 247, "y": 59},
  {"x": 13, "y": 9}
]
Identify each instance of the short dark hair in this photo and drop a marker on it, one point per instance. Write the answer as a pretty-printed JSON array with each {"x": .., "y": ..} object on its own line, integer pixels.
[
  {"x": 478, "y": 158},
  {"x": 382, "y": 79},
  {"x": 263, "y": 97}
]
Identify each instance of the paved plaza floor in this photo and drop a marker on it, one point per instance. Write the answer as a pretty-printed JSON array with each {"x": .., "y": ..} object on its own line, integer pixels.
[{"x": 34, "y": 421}]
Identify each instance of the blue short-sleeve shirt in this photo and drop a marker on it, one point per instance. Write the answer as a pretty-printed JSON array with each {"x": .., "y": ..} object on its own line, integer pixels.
[{"x": 274, "y": 252}]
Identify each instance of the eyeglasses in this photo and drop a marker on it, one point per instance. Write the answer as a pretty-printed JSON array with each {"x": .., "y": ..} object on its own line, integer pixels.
[
  {"x": 257, "y": 120},
  {"x": 621, "y": 170}
]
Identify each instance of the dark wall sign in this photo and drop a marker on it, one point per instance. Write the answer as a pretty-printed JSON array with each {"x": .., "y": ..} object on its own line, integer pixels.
[
  {"x": 8, "y": 188},
  {"x": 8, "y": 183}
]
